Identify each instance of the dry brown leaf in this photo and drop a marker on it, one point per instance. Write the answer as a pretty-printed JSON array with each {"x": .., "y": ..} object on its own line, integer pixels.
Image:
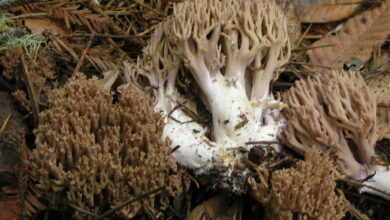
[
  {"x": 38, "y": 24},
  {"x": 220, "y": 207},
  {"x": 355, "y": 40},
  {"x": 380, "y": 85},
  {"x": 322, "y": 11}
]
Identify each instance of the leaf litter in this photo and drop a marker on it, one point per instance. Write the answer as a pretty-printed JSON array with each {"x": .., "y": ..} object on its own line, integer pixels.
[{"x": 74, "y": 37}]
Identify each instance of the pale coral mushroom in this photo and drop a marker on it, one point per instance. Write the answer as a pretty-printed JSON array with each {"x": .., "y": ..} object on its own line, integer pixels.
[
  {"x": 329, "y": 111},
  {"x": 234, "y": 50}
]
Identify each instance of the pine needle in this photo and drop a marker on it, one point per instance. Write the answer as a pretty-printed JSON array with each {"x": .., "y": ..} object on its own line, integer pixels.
[{"x": 4, "y": 125}]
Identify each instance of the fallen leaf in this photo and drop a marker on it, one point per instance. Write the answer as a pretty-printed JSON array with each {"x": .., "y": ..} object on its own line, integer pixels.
[
  {"x": 220, "y": 207},
  {"x": 380, "y": 85},
  {"x": 322, "y": 11},
  {"x": 39, "y": 24},
  {"x": 356, "y": 39}
]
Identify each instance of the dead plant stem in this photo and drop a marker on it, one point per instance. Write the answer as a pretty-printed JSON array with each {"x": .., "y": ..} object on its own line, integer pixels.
[
  {"x": 150, "y": 8},
  {"x": 83, "y": 55},
  {"x": 109, "y": 212},
  {"x": 31, "y": 91}
]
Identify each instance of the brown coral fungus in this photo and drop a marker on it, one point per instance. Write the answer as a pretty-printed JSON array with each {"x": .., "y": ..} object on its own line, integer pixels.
[
  {"x": 41, "y": 70},
  {"x": 303, "y": 192},
  {"x": 97, "y": 154},
  {"x": 330, "y": 111}
]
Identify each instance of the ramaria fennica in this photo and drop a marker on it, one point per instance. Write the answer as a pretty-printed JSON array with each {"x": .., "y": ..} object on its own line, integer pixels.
[
  {"x": 234, "y": 50},
  {"x": 337, "y": 112}
]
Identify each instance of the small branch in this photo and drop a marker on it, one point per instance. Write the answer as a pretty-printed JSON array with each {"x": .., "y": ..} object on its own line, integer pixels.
[
  {"x": 150, "y": 8},
  {"x": 358, "y": 184},
  {"x": 83, "y": 55},
  {"x": 149, "y": 213},
  {"x": 367, "y": 197},
  {"x": 117, "y": 30},
  {"x": 261, "y": 142},
  {"x": 120, "y": 36},
  {"x": 44, "y": 14},
  {"x": 115, "y": 71},
  {"x": 81, "y": 209},
  {"x": 31, "y": 91},
  {"x": 360, "y": 2},
  {"x": 6, "y": 4},
  {"x": 372, "y": 73},
  {"x": 4, "y": 125},
  {"x": 352, "y": 210},
  {"x": 309, "y": 48},
  {"x": 105, "y": 214},
  {"x": 383, "y": 105},
  {"x": 309, "y": 64},
  {"x": 22, "y": 183}
]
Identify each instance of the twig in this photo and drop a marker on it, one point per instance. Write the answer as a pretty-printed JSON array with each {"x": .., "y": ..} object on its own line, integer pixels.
[
  {"x": 372, "y": 73},
  {"x": 278, "y": 162},
  {"x": 194, "y": 180},
  {"x": 60, "y": 43},
  {"x": 96, "y": 8},
  {"x": 171, "y": 117},
  {"x": 305, "y": 33},
  {"x": 44, "y": 14},
  {"x": 5, "y": 4},
  {"x": 83, "y": 55},
  {"x": 31, "y": 91},
  {"x": 309, "y": 64},
  {"x": 250, "y": 163},
  {"x": 309, "y": 48},
  {"x": 4, "y": 125},
  {"x": 172, "y": 151},
  {"x": 81, "y": 209},
  {"x": 115, "y": 71},
  {"x": 383, "y": 105},
  {"x": 150, "y": 8},
  {"x": 106, "y": 36},
  {"x": 360, "y": 2},
  {"x": 356, "y": 183},
  {"x": 21, "y": 184},
  {"x": 351, "y": 208},
  {"x": 105, "y": 214},
  {"x": 261, "y": 142},
  {"x": 365, "y": 197},
  {"x": 149, "y": 213}
]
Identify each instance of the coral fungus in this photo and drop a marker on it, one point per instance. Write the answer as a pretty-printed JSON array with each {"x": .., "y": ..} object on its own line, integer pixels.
[
  {"x": 303, "y": 192},
  {"x": 97, "y": 154},
  {"x": 329, "y": 111},
  {"x": 233, "y": 49}
]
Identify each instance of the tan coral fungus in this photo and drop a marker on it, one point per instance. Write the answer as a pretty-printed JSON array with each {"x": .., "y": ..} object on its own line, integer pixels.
[
  {"x": 97, "y": 154},
  {"x": 303, "y": 192},
  {"x": 326, "y": 112},
  {"x": 41, "y": 72}
]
